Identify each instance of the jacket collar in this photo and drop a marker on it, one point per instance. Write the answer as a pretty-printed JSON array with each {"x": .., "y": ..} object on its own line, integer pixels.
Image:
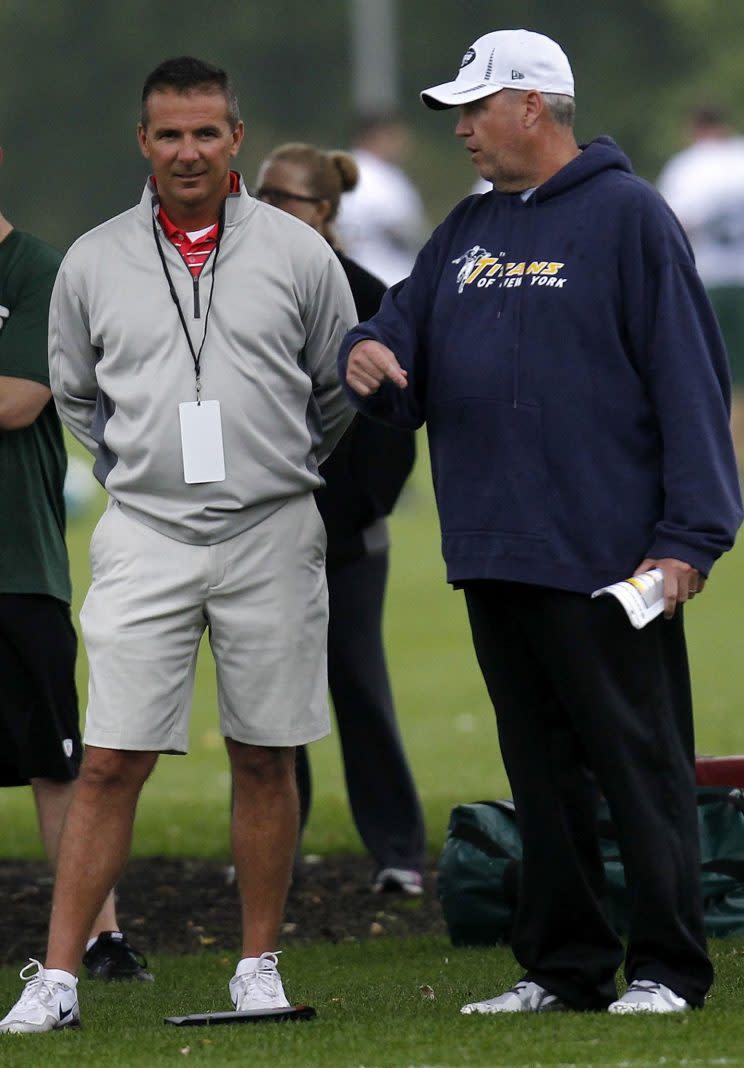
[{"x": 238, "y": 206}]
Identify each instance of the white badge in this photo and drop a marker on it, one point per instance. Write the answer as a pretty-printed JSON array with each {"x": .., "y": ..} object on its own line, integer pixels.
[{"x": 201, "y": 441}]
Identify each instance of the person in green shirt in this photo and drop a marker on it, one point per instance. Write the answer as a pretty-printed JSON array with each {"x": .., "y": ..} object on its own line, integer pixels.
[{"x": 39, "y": 730}]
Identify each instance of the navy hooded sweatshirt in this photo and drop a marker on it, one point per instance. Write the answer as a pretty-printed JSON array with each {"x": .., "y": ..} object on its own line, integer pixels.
[{"x": 571, "y": 373}]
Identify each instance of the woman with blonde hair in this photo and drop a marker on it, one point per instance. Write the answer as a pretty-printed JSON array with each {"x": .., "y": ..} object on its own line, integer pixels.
[
  {"x": 363, "y": 476},
  {"x": 308, "y": 182}
]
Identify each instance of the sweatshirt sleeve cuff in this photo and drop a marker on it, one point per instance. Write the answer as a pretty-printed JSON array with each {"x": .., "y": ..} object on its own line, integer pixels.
[{"x": 666, "y": 548}]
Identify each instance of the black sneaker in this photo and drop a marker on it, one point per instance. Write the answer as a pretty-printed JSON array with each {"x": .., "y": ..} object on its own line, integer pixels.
[{"x": 111, "y": 957}]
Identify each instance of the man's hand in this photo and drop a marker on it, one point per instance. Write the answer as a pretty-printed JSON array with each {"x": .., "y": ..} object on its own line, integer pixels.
[
  {"x": 370, "y": 364},
  {"x": 4, "y": 313},
  {"x": 681, "y": 581}
]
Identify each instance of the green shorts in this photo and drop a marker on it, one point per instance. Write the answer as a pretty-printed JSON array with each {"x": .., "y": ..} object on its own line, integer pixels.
[{"x": 728, "y": 304}]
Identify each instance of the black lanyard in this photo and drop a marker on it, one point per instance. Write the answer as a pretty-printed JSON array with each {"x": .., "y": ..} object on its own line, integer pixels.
[{"x": 195, "y": 356}]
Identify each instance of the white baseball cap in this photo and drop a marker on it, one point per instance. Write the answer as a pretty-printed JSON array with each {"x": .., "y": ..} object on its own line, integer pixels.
[{"x": 505, "y": 59}]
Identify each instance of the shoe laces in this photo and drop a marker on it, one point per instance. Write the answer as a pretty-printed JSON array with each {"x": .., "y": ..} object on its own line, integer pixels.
[
  {"x": 647, "y": 985},
  {"x": 37, "y": 988},
  {"x": 265, "y": 976}
]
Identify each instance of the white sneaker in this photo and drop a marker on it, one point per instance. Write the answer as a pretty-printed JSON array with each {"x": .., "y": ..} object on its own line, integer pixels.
[
  {"x": 398, "y": 880},
  {"x": 644, "y": 995},
  {"x": 524, "y": 997},
  {"x": 257, "y": 984},
  {"x": 48, "y": 1002}
]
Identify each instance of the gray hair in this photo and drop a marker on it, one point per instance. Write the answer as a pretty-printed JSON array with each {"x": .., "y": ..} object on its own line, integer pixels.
[{"x": 561, "y": 108}]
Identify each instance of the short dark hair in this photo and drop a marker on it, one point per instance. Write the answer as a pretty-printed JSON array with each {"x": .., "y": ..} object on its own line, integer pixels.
[{"x": 186, "y": 73}]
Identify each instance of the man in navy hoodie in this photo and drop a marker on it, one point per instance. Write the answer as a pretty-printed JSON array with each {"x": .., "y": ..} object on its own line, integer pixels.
[{"x": 556, "y": 339}]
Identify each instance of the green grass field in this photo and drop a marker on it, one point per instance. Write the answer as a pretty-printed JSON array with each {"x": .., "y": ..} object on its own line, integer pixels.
[{"x": 382, "y": 1004}]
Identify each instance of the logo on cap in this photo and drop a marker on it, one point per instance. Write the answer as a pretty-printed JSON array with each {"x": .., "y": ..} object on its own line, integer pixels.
[
  {"x": 468, "y": 58},
  {"x": 517, "y": 75}
]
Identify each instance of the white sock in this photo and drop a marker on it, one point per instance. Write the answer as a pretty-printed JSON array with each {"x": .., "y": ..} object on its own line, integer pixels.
[
  {"x": 116, "y": 936},
  {"x": 58, "y": 975}
]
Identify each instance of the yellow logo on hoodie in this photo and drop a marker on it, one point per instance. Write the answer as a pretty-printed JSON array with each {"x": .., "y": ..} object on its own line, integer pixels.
[{"x": 485, "y": 270}]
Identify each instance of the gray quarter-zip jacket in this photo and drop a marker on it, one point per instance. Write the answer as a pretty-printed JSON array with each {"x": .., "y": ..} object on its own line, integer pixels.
[{"x": 120, "y": 363}]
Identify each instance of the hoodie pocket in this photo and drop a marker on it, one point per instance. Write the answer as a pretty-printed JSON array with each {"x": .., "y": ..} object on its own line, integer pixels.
[{"x": 488, "y": 465}]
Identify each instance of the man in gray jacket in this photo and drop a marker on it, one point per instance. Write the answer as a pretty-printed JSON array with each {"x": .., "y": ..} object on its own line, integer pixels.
[{"x": 192, "y": 350}]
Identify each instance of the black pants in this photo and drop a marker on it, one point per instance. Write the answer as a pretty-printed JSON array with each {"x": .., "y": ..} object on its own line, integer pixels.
[
  {"x": 39, "y": 721},
  {"x": 584, "y": 701},
  {"x": 382, "y": 795}
]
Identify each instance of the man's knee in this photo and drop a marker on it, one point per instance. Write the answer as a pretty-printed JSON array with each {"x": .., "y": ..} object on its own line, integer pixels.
[
  {"x": 115, "y": 769},
  {"x": 262, "y": 765}
]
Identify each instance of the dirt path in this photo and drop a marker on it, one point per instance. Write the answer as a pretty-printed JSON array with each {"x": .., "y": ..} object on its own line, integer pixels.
[{"x": 179, "y": 906}]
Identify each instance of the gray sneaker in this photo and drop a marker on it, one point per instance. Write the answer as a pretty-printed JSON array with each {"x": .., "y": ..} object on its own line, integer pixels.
[
  {"x": 524, "y": 997},
  {"x": 644, "y": 995},
  {"x": 47, "y": 1003},
  {"x": 257, "y": 984}
]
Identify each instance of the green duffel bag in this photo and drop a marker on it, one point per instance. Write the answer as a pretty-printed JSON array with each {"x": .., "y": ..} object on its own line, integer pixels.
[
  {"x": 720, "y": 812},
  {"x": 478, "y": 871}
]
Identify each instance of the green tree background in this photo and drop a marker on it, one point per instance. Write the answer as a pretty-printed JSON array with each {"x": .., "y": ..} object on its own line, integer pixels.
[{"x": 71, "y": 73}]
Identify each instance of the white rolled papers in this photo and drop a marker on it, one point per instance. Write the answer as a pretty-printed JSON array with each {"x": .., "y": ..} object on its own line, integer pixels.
[{"x": 642, "y": 596}]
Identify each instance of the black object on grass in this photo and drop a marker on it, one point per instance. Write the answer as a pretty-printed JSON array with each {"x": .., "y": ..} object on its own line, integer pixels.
[{"x": 211, "y": 1019}]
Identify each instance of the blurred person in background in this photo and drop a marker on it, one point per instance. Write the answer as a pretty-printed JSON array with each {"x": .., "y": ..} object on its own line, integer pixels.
[
  {"x": 192, "y": 351},
  {"x": 363, "y": 479},
  {"x": 557, "y": 341},
  {"x": 39, "y": 715},
  {"x": 704, "y": 186},
  {"x": 480, "y": 185},
  {"x": 382, "y": 223}
]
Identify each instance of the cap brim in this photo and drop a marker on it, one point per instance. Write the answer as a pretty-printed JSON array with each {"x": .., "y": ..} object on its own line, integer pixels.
[{"x": 450, "y": 94}]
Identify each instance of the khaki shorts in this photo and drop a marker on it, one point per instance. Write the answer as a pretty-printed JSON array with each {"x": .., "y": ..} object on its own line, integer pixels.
[{"x": 263, "y": 598}]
